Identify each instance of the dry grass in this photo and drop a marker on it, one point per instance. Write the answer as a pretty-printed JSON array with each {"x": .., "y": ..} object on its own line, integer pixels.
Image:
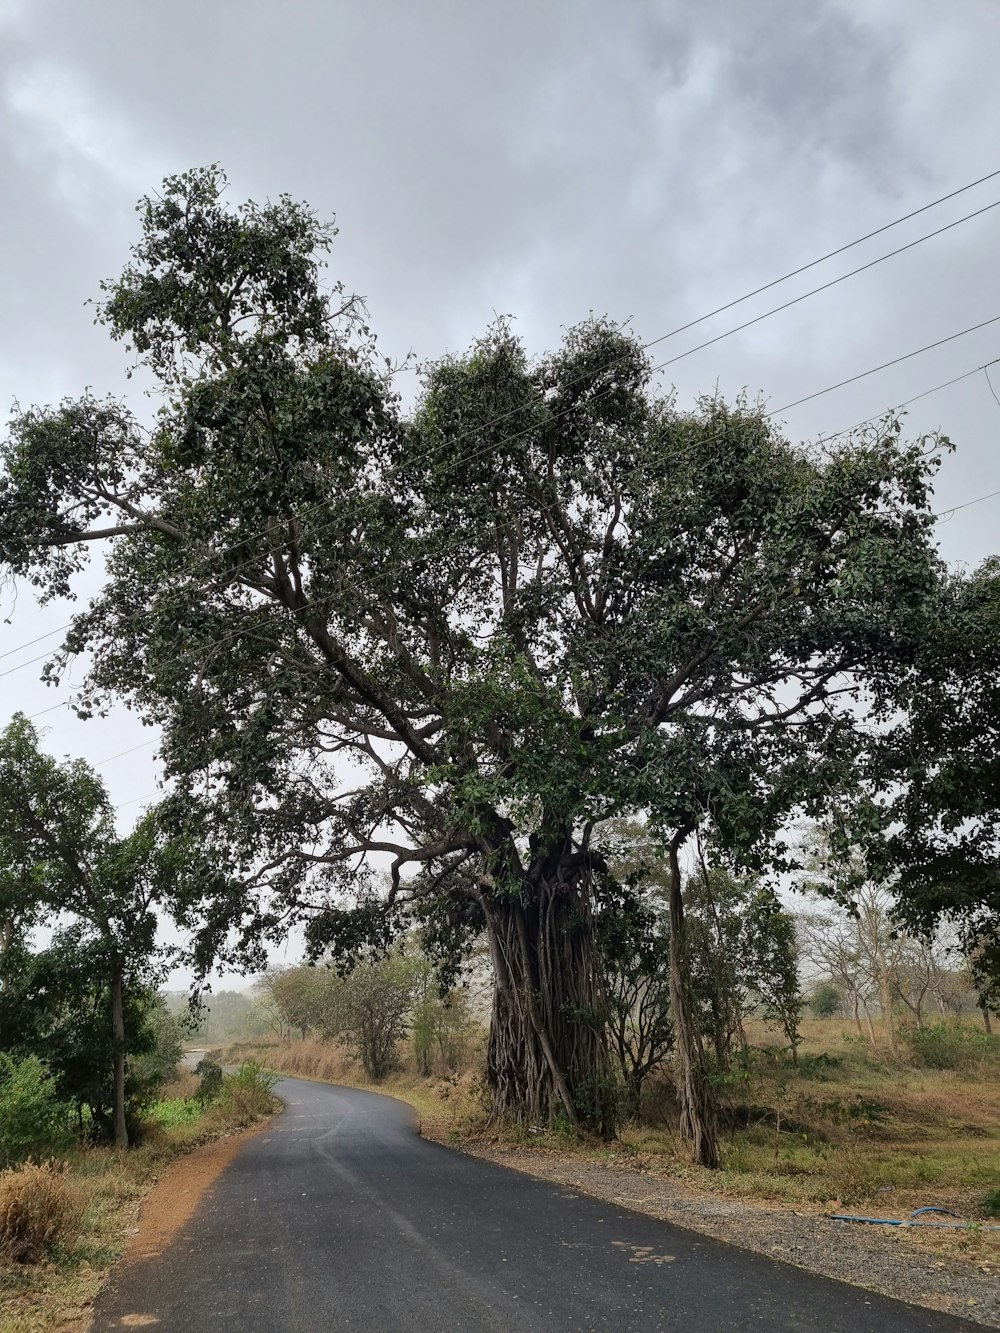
[
  {"x": 849, "y": 1130},
  {"x": 329, "y": 1062},
  {"x": 40, "y": 1212},
  {"x": 184, "y": 1084},
  {"x": 450, "y": 1106}
]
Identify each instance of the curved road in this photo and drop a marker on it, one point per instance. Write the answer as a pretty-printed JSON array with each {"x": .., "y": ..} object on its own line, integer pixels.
[{"x": 341, "y": 1217}]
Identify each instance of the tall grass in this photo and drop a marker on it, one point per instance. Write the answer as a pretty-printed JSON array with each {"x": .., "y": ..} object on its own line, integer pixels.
[
  {"x": 246, "y": 1095},
  {"x": 41, "y": 1209}
]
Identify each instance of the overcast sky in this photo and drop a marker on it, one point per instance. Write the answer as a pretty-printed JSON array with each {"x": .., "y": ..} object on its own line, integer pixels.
[{"x": 542, "y": 158}]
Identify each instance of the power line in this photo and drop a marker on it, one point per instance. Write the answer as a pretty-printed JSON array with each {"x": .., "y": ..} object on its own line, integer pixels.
[
  {"x": 51, "y": 709},
  {"x": 31, "y": 660},
  {"x": 925, "y": 393},
  {"x": 774, "y": 282},
  {"x": 824, "y": 287},
  {"x": 831, "y": 254},
  {"x": 132, "y": 800},
  {"x": 966, "y": 505},
  {"x": 973, "y": 328},
  {"x": 31, "y": 642},
  {"x": 121, "y": 755}
]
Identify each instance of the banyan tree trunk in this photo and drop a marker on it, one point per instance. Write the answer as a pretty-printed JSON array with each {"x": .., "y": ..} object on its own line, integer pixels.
[
  {"x": 547, "y": 1055},
  {"x": 699, "y": 1111}
]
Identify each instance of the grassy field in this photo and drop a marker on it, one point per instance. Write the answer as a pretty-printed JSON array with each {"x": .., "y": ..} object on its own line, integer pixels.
[
  {"x": 56, "y": 1294},
  {"x": 854, "y": 1127},
  {"x": 849, "y": 1128}
]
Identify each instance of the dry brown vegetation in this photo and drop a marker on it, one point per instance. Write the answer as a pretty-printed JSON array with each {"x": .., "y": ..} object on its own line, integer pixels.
[
  {"x": 451, "y": 1105},
  {"x": 41, "y": 1209}
]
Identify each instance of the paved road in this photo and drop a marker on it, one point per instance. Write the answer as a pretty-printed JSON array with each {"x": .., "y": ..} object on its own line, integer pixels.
[{"x": 339, "y": 1217}]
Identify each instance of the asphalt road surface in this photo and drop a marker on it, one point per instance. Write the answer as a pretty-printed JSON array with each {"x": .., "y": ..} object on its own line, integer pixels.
[{"x": 340, "y": 1217}]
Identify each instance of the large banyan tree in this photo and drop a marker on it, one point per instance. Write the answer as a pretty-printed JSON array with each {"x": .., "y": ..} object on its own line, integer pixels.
[{"x": 445, "y": 644}]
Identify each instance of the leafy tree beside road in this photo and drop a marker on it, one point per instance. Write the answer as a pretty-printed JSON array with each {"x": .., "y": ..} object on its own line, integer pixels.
[
  {"x": 936, "y": 831},
  {"x": 463, "y": 639},
  {"x": 98, "y": 891}
]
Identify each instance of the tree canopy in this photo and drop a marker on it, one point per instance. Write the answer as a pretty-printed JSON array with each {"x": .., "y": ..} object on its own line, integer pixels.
[{"x": 936, "y": 832}]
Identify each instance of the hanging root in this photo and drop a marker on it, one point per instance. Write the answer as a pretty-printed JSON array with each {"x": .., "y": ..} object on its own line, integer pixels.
[{"x": 546, "y": 1057}]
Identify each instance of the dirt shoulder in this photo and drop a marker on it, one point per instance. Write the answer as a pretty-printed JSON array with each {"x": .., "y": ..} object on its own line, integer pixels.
[
  {"x": 889, "y": 1260},
  {"x": 172, "y": 1200},
  {"x": 136, "y": 1202}
]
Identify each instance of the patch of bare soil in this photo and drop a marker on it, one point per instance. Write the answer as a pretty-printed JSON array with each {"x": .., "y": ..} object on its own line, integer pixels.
[
  {"x": 888, "y": 1260},
  {"x": 172, "y": 1200}
]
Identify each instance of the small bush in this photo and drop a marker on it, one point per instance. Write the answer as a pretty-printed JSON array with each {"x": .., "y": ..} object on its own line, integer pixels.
[
  {"x": 209, "y": 1080},
  {"x": 860, "y": 1112},
  {"x": 951, "y": 1046},
  {"x": 991, "y": 1203},
  {"x": 247, "y": 1093},
  {"x": 825, "y": 1000},
  {"x": 818, "y": 1066},
  {"x": 32, "y": 1118},
  {"x": 40, "y": 1211}
]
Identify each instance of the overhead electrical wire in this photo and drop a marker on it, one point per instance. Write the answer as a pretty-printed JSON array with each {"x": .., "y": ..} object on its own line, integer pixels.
[
  {"x": 925, "y": 393},
  {"x": 814, "y": 291},
  {"x": 967, "y": 504},
  {"x": 814, "y": 263},
  {"x": 928, "y": 347},
  {"x": 122, "y": 753},
  {"x": 680, "y": 329},
  {"x": 31, "y": 660},
  {"x": 31, "y": 642}
]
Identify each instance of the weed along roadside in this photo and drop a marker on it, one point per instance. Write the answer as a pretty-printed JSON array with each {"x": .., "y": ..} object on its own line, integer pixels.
[
  {"x": 64, "y": 1223},
  {"x": 844, "y": 1131}
]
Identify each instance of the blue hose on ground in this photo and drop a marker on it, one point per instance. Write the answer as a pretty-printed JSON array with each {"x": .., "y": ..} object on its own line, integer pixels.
[{"x": 909, "y": 1221}]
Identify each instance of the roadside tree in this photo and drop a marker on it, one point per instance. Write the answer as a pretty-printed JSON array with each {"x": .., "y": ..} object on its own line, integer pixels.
[
  {"x": 98, "y": 890},
  {"x": 934, "y": 824}
]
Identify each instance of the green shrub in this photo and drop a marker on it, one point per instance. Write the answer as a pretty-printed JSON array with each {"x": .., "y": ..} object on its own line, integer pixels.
[
  {"x": 951, "y": 1046},
  {"x": 210, "y": 1076},
  {"x": 170, "y": 1111},
  {"x": 817, "y": 1066},
  {"x": 157, "y": 1064},
  {"x": 32, "y": 1118},
  {"x": 825, "y": 1001},
  {"x": 40, "y": 1211},
  {"x": 991, "y": 1203},
  {"x": 247, "y": 1093}
]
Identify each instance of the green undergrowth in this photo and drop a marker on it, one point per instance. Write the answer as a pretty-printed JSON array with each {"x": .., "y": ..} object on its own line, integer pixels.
[{"x": 846, "y": 1127}]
